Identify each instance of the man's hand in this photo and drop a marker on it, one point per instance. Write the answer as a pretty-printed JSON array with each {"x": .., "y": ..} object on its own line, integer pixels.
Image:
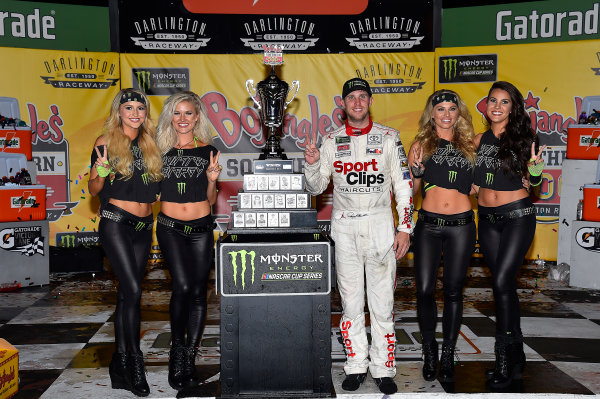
[
  {"x": 401, "y": 244},
  {"x": 311, "y": 152}
]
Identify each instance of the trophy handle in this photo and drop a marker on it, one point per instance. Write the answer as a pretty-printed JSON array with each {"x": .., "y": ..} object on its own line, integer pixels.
[
  {"x": 297, "y": 84},
  {"x": 250, "y": 86}
]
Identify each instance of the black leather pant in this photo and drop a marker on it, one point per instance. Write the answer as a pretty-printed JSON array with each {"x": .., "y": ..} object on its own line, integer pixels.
[
  {"x": 457, "y": 244},
  {"x": 127, "y": 249},
  {"x": 504, "y": 243},
  {"x": 189, "y": 259}
]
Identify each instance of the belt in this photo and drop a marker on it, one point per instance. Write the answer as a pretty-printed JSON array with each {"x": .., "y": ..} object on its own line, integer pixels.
[
  {"x": 445, "y": 222},
  {"x": 185, "y": 228},
  {"x": 514, "y": 214},
  {"x": 119, "y": 217}
]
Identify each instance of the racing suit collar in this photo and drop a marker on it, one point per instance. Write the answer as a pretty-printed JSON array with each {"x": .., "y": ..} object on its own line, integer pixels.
[{"x": 355, "y": 131}]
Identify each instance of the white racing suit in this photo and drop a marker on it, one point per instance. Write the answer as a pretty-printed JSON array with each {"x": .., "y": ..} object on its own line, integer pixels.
[{"x": 364, "y": 170}]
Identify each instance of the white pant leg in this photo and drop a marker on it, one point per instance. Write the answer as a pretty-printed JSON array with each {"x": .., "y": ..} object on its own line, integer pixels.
[
  {"x": 349, "y": 264},
  {"x": 380, "y": 271}
]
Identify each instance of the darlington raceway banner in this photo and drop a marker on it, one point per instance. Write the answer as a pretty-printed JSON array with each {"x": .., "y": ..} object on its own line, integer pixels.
[
  {"x": 401, "y": 83},
  {"x": 554, "y": 78},
  {"x": 64, "y": 96},
  {"x": 244, "y": 26}
]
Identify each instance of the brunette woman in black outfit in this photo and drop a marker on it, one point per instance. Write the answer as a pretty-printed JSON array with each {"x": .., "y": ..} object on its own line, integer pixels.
[
  {"x": 441, "y": 160},
  {"x": 126, "y": 168},
  {"x": 506, "y": 154},
  {"x": 185, "y": 224}
]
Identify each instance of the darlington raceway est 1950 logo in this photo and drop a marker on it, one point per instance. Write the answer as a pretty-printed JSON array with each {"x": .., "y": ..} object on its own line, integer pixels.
[
  {"x": 291, "y": 33},
  {"x": 170, "y": 33},
  {"x": 80, "y": 71},
  {"x": 385, "y": 32}
]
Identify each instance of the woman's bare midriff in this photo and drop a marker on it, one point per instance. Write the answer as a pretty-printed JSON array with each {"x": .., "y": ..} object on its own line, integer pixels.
[
  {"x": 141, "y": 209},
  {"x": 493, "y": 198},
  {"x": 445, "y": 201},
  {"x": 185, "y": 211}
]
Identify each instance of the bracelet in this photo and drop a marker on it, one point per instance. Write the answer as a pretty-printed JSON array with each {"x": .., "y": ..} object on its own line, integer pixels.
[
  {"x": 536, "y": 168},
  {"x": 102, "y": 171},
  {"x": 417, "y": 172}
]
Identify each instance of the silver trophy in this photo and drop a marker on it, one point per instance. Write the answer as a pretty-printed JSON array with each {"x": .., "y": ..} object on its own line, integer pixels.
[{"x": 272, "y": 94}]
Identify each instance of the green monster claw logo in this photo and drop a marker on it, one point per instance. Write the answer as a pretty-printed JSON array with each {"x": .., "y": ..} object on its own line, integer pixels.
[
  {"x": 187, "y": 229},
  {"x": 139, "y": 226},
  {"x": 452, "y": 176},
  {"x": 234, "y": 238},
  {"x": 145, "y": 178},
  {"x": 441, "y": 222},
  {"x": 143, "y": 78},
  {"x": 181, "y": 188},
  {"x": 67, "y": 241},
  {"x": 489, "y": 178},
  {"x": 316, "y": 236},
  {"x": 450, "y": 67},
  {"x": 179, "y": 152},
  {"x": 234, "y": 257}
]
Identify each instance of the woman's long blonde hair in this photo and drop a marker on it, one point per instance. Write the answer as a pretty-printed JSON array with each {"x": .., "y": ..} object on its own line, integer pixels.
[
  {"x": 463, "y": 131},
  {"x": 166, "y": 136},
  {"x": 119, "y": 145}
]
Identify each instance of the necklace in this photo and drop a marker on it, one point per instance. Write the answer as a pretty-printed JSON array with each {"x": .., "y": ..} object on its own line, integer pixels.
[{"x": 183, "y": 145}]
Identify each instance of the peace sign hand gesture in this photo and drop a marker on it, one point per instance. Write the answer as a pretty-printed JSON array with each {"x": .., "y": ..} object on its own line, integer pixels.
[
  {"x": 536, "y": 158},
  {"x": 101, "y": 164},
  {"x": 214, "y": 169},
  {"x": 311, "y": 152},
  {"x": 417, "y": 168}
]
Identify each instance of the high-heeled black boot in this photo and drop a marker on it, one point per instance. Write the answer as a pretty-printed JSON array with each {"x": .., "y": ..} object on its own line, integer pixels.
[
  {"x": 430, "y": 360},
  {"x": 447, "y": 363},
  {"x": 117, "y": 370},
  {"x": 518, "y": 355},
  {"x": 137, "y": 374},
  {"x": 177, "y": 369},
  {"x": 191, "y": 379},
  {"x": 504, "y": 366}
]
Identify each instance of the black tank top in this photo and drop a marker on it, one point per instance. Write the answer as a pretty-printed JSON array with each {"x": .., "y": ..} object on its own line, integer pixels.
[
  {"x": 488, "y": 171},
  {"x": 448, "y": 168},
  {"x": 184, "y": 174},
  {"x": 138, "y": 188}
]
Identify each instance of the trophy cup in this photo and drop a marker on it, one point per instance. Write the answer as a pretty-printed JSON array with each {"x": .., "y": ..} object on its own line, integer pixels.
[{"x": 272, "y": 94}]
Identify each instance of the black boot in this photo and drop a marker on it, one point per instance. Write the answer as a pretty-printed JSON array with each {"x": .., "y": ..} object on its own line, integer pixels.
[
  {"x": 430, "y": 360},
  {"x": 518, "y": 354},
  {"x": 177, "y": 371},
  {"x": 119, "y": 376},
  {"x": 353, "y": 381},
  {"x": 137, "y": 373},
  {"x": 386, "y": 385},
  {"x": 504, "y": 366},
  {"x": 447, "y": 363},
  {"x": 191, "y": 379}
]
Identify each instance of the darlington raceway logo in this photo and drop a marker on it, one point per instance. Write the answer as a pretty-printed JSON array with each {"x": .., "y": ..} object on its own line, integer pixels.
[
  {"x": 26, "y": 240},
  {"x": 291, "y": 33},
  {"x": 160, "y": 81},
  {"x": 80, "y": 72},
  {"x": 588, "y": 238},
  {"x": 392, "y": 78},
  {"x": 385, "y": 33},
  {"x": 170, "y": 33},
  {"x": 468, "y": 68}
]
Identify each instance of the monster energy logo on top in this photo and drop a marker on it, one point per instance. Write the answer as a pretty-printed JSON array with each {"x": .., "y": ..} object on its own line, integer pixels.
[
  {"x": 489, "y": 178},
  {"x": 160, "y": 81},
  {"x": 181, "y": 188},
  {"x": 452, "y": 176},
  {"x": 468, "y": 68}
]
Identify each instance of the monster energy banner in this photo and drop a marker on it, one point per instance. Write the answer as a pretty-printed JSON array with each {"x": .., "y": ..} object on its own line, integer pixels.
[
  {"x": 274, "y": 268},
  {"x": 468, "y": 68},
  {"x": 161, "y": 81}
]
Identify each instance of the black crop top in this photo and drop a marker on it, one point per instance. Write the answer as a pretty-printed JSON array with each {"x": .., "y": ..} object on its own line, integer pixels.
[
  {"x": 448, "y": 168},
  {"x": 488, "y": 171},
  {"x": 184, "y": 174},
  {"x": 138, "y": 188}
]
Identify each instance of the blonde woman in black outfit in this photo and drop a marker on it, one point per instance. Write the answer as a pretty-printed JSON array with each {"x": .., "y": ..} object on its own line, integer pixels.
[
  {"x": 185, "y": 224},
  {"x": 441, "y": 160},
  {"x": 126, "y": 168},
  {"x": 506, "y": 156}
]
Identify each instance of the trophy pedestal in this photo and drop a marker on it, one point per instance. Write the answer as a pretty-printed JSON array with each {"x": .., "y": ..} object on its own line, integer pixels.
[{"x": 272, "y": 148}]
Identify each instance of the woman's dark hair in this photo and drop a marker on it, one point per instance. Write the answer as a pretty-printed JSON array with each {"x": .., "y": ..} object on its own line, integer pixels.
[{"x": 515, "y": 142}]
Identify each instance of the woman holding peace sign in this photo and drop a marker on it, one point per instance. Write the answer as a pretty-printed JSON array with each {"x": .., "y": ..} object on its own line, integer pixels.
[
  {"x": 441, "y": 159},
  {"x": 126, "y": 168},
  {"x": 185, "y": 224},
  {"x": 506, "y": 154}
]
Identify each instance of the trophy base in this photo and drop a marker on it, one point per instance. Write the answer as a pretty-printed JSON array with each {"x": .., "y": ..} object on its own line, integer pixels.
[{"x": 270, "y": 154}]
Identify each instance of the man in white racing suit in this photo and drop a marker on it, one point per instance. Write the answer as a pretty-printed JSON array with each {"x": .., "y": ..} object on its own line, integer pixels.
[{"x": 367, "y": 162}]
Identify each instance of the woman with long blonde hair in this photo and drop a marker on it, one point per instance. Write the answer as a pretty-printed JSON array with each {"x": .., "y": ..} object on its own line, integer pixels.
[
  {"x": 441, "y": 159},
  {"x": 185, "y": 224},
  {"x": 126, "y": 169}
]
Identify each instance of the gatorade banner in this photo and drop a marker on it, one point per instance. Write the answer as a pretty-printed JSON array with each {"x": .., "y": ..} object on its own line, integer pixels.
[
  {"x": 401, "y": 84},
  {"x": 553, "y": 78},
  {"x": 64, "y": 96}
]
